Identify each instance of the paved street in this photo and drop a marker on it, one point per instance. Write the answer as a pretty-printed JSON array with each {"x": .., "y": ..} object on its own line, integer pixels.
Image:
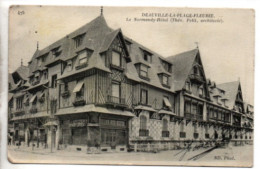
[{"x": 217, "y": 157}]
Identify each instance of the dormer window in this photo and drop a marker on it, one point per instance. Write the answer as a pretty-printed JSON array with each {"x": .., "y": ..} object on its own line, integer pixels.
[
  {"x": 201, "y": 91},
  {"x": 147, "y": 56},
  {"x": 56, "y": 52},
  {"x": 187, "y": 86},
  {"x": 69, "y": 65},
  {"x": 116, "y": 59},
  {"x": 82, "y": 59},
  {"x": 39, "y": 62},
  {"x": 195, "y": 71},
  {"x": 144, "y": 71},
  {"x": 45, "y": 75},
  {"x": 128, "y": 45},
  {"x": 167, "y": 66},
  {"x": 78, "y": 40},
  {"x": 165, "y": 80}
]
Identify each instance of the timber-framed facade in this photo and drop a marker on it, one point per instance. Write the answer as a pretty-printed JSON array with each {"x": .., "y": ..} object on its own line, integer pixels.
[{"x": 98, "y": 88}]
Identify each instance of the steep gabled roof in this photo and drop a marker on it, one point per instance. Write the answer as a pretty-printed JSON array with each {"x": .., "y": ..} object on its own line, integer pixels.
[
  {"x": 181, "y": 67},
  {"x": 231, "y": 89},
  {"x": 155, "y": 67},
  {"x": 11, "y": 80},
  {"x": 22, "y": 71},
  {"x": 94, "y": 33}
]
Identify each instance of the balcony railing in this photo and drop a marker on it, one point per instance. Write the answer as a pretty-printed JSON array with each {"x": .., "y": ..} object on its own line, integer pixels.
[
  {"x": 193, "y": 116},
  {"x": 81, "y": 66},
  {"x": 207, "y": 135},
  {"x": 33, "y": 110},
  {"x": 35, "y": 82},
  {"x": 79, "y": 101},
  {"x": 196, "y": 78},
  {"x": 237, "y": 124},
  {"x": 143, "y": 132},
  {"x": 117, "y": 67},
  {"x": 165, "y": 133},
  {"x": 182, "y": 135},
  {"x": 116, "y": 100},
  {"x": 19, "y": 110},
  {"x": 65, "y": 94},
  {"x": 144, "y": 77},
  {"x": 196, "y": 135}
]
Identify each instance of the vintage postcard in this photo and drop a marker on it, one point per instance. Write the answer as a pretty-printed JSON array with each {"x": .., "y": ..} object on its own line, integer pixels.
[{"x": 131, "y": 86}]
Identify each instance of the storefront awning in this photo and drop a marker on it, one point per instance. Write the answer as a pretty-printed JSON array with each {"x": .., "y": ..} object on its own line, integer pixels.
[
  {"x": 51, "y": 123},
  {"x": 41, "y": 95},
  {"x": 93, "y": 108},
  {"x": 141, "y": 107},
  {"x": 166, "y": 112},
  {"x": 30, "y": 116},
  {"x": 167, "y": 102},
  {"x": 33, "y": 98},
  {"x": 10, "y": 96},
  {"x": 18, "y": 84},
  {"x": 26, "y": 99},
  {"x": 78, "y": 87}
]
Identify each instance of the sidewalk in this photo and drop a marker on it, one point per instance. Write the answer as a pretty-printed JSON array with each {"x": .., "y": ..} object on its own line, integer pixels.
[{"x": 221, "y": 156}]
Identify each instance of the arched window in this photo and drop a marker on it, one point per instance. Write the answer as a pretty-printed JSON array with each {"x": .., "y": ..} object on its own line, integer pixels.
[
  {"x": 182, "y": 127},
  {"x": 195, "y": 128},
  {"x": 165, "y": 125},
  {"x": 143, "y": 122},
  {"x": 195, "y": 70}
]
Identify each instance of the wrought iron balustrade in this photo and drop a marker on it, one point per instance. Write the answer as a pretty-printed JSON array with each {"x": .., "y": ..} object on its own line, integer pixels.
[
  {"x": 193, "y": 116},
  {"x": 36, "y": 82},
  {"x": 165, "y": 133},
  {"x": 196, "y": 135},
  {"x": 182, "y": 135},
  {"x": 65, "y": 94},
  {"x": 197, "y": 78},
  {"x": 19, "y": 110},
  {"x": 143, "y": 132},
  {"x": 116, "y": 100},
  {"x": 79, "y": 101},
  {"x": 33, "y": 110}
]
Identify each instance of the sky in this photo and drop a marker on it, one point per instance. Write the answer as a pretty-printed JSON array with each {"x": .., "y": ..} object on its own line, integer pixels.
[{"x": 227, "y": 48}]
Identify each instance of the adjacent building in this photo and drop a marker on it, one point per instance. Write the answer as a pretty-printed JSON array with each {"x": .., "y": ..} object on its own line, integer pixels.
[{"x": 98, "y": 88}]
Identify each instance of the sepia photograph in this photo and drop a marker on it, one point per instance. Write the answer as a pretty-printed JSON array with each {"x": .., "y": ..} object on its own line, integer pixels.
[{"x": 158, "y": 86}]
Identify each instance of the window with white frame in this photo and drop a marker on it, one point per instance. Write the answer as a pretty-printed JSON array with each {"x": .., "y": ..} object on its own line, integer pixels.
[
  {"x": 82, "y": 55},
  {"x": 115, "y": 89},
  {"x": 165, "y": 125},
  {"x": 165, "y": 79},
  {"x": 69, "y": 65},
  {"x": 143, "y": 122},
  {"x": 116, "y": 59},
  {"x": 144, "y": 70},
  {"x": 187, "y": 86},
  {"x": 78, "y": 40},
  {"x": 201, "y": 91},
  {"x": 144, "y": 96}
]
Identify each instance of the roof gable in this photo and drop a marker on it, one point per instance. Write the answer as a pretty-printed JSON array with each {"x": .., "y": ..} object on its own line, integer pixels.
[
  {"x": 181, "y": 67},
  {"x": 231, "y": 90}
]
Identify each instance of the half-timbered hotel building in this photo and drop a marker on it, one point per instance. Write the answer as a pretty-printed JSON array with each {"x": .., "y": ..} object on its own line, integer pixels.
[{"x": 97, "y": 88}]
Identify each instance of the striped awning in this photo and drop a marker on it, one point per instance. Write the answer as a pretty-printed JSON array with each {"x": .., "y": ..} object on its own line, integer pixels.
[
  {"x": 141, "y": 107},
  {"x": 51, "y": 123},
  {"x": 167, "y": 102},
  {"x": 33, "y": 98},
  {"x": 166, "y": 112},
  {"x": 78, "y": 86}
]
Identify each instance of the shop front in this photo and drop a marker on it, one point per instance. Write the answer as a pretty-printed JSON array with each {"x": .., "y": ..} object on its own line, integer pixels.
[
  {"x": 103, "y": 132},
  {"x": 74, "y": 132},
  {"x": 19, "y": 135},
  {"x": 114, "y": 134}
]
